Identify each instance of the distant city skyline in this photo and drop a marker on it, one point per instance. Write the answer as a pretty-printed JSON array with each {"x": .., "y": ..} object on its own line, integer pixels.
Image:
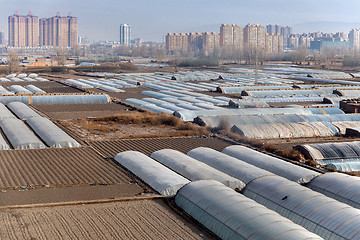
[{"x": 152, "y": 20}]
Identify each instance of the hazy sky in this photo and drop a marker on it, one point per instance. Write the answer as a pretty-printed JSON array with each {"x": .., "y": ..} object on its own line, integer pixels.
[{"x": 152, "y": 19}]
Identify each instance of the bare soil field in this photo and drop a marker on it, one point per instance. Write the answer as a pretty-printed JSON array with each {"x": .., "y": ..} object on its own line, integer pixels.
[
  {"x": 142, "y": 219},
  {"x": 148, "y": 146},
  {"x": 49, "y": 194},
  {"x": 83, "y": 107},
  {"x": 80, "y": 111},
  {"x": 58, "y": 167}
]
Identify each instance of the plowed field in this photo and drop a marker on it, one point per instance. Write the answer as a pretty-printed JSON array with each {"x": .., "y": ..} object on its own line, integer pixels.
[
  {"x": 148, "y": 146},
  {"x": 145, "y": 219},
  {"x": 57, "y": 167},
  {"x": 79, "y": 111}
]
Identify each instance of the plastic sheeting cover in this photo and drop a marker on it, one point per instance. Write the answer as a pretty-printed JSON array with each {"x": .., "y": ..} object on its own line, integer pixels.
[
  {"x": 285, "y": 130},
  {"x": 339, "y": 186},
  {"x": 5, "y": 113},
  {"x": 159, "y": 177},
  {"x": 190, "y": 115},
  {"x": 216, "y": 121},
  {"x": 22, "y": 111},
  {"x": 19, "y": 135},
  {"x": 321, "y": 151},
  {"x": 230, "y": 215},
  {"x": 227, "y": 164},
  {"x": 193, "y": 169},
  {"x": 319, "y": 214},
  {"x": 272, "y": 164},
  {"x": 67, "y": 99},
  {"x": 3, "y": 144},
  {"x": 345, "y": 166},
  {"x": 51, "y": 134}
]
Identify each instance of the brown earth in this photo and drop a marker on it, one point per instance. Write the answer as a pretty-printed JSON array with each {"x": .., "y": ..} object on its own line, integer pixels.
[
  {"x": 51, "y": 194},
  {"x": 58, "y": 168},
  {"x": 80, "y": 111},
  {"x": 142, "y": 219}
]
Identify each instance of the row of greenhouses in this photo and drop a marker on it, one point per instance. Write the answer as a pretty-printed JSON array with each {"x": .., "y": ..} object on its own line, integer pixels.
[
  {"x": 42, "y": 132},
  {"x": 56, "y": 98},
  {"x": 25, "y": 79},
  {"x": 107, "y": 85},
  {"x": 324, "y": 208}
]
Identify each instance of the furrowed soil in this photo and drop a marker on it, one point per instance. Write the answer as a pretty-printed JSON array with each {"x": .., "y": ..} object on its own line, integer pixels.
[{"x": 142, "y": 219}]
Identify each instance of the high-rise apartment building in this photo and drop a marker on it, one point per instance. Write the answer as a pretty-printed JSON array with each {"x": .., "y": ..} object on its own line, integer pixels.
[
  {"x": 58, "y": 31},
  {"x": 210, "y": 42},
  {"x": 354, "y": 38},
  {"x": 231, "y": 35},
  {"x": 254, "y": 36},
  {"x": 125, "y": 34},
  {"x": 176, "y": 42},
  {"x": 23, "y": 30},
  {"x": 274, "y": 43}
]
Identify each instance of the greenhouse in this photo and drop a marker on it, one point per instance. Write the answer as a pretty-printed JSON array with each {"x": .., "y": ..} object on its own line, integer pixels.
[
  {"x": 34, "y": 89},
  {"x": 319, "y": 214},
  {"x": 3, "y": 91},
  {"x": 5, "y": 112},
  {"x": 17, "y": 89},
  {"x": 190, "y": 115},
  {"x": 230, "y": 215},
  {"x": 283, "y": 93},
  {"x": 19, "y": 135},
  {"x": 22, "y": 111},
  {"x": 345, "y": 166},
  {"x": 285, "y": 130},
  {"x": 70, "y": 99},
  {"x": 51, "y": 134},
  {"x": 250, "y": 103},
  {"x": 337, "y": 150},
  {"x": 339, "y": 186},
  {"x": 345, "y": 126},
  {"x": 3, "y": 144},
  {"x": 238, "y": 89},
  {"x": 272, "y": 164},
  {"x": 227, "y": 164},
  {"x": 216, "y": 121},
  {"x": 193, "y": 169},
  {"x": 160, "y": 178}
]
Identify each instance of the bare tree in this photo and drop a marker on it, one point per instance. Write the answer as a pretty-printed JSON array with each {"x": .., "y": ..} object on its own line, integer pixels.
[
  {"x": 61, "y": 56},
  {"x": 299, "y": 56},
  {"x": 13, "y": 62}
]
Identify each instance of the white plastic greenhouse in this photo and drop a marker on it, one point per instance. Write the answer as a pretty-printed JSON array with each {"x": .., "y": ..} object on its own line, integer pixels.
[
  {"x": 3, "y": 144},
  {"x": 160, "y": 178},
  {"x": 19, "y": 135},
  {"x": 286, "y": 130},
  {"x": 34, "y": 89},
  {"x": 319, "y": 214},
  {"x": 22, "y": 111},
  {"x": 5, "y": 112},
  {"x": 339, "y": 186},
  {"x": 321, "y": 152},
  {"x": 272, "y": 164},
  {"x": 51, "y": 134},
  {"x": 230, "y": 215},
  {"x": 227, "y": 164},
  {"x": 19, "y": 89},
  {"x": 193, "y": 169}
]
